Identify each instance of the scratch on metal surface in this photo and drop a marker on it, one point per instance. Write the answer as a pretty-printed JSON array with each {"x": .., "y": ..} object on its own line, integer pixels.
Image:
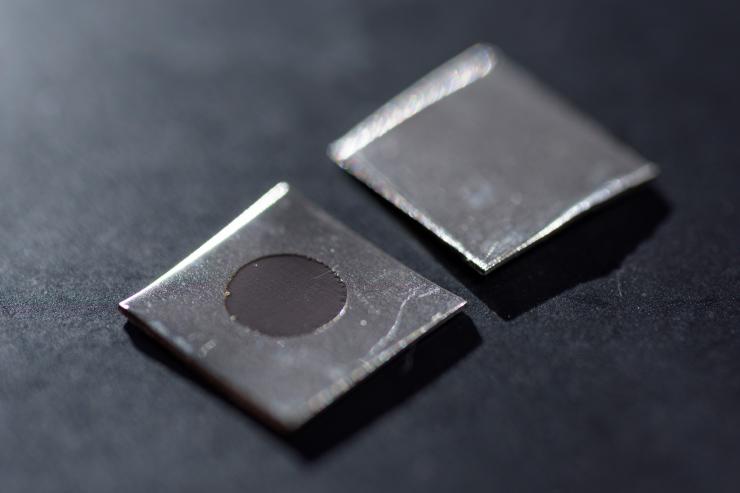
[
  {"x": 322, "y": 398},
  {"x": 206, "y": 348},
  {"x": 394, "y": 328}
]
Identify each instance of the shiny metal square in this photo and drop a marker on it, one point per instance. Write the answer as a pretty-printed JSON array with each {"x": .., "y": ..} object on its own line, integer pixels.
[
  {"x": 286, "y": 379},
  {"x": 486, "y": 158}
]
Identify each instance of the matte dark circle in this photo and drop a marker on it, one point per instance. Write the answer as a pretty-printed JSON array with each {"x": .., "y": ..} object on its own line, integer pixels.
[{"x": 285, "y": 295}]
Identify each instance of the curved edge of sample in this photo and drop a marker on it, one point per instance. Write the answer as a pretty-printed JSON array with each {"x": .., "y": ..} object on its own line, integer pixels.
[
  {"x": 287, "y": 380},
  {"x": 487, "y": 158}
]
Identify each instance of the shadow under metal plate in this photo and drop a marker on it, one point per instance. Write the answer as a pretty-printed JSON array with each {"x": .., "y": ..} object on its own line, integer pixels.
[
  {"x": 486, "y": 158},
  {"x": 353, "y": 308}
]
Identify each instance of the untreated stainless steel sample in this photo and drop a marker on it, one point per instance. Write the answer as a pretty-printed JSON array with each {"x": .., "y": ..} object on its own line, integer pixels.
[
  {"x": 486, "y": 158},
  {"x": 285, "y": 308}
]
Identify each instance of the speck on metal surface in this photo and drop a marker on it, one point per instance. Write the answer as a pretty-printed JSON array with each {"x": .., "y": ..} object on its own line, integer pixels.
[
  {"x": 287, "y": 380},
  {"x": 486, "y": 158}
]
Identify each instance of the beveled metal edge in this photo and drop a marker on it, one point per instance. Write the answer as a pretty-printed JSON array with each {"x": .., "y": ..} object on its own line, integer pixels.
[
  {"x": 262, "y": 204},
  {"x": 606, "y": 192},
  {"x": 458, "y": 72},
  {"x": 221, "y": 385}
]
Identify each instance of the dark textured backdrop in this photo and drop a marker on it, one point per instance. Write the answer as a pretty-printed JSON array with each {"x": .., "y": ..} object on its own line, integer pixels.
[{"x": 130, "y": 131}]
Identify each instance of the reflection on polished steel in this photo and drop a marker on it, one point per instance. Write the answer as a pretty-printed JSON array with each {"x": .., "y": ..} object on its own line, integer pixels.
[
  {"x": 486, "y": 158},
  {"x": 287, "y": 380}
]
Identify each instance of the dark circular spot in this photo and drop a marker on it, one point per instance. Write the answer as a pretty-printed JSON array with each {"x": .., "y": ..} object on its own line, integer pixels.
[{"x": 285, "y": 295}]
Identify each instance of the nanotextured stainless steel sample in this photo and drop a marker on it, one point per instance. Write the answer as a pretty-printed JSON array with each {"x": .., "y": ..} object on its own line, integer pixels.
[
  {"x": 486, "y": 158},
  {"x": 287, "y": 380}
]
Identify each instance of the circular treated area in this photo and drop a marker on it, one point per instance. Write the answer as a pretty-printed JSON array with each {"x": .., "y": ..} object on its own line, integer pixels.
[{"x": 285, "y": 295}]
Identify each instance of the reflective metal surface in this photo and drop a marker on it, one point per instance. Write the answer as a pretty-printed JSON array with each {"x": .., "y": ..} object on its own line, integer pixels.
[
  {"x": 486, "y": 158},
  {"x": 286, "y": 380}
]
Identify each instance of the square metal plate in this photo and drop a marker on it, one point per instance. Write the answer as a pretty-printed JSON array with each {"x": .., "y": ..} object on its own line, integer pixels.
[
  {"x": 486, "y": 158},
  {"x": 288, "y": 379}
]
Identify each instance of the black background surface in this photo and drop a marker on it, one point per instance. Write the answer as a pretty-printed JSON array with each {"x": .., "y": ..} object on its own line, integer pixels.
[{"x": 608, "y": 358}]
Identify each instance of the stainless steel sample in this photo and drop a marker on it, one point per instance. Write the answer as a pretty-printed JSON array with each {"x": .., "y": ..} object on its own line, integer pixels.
[
  {"x": 486, "y": 158},
  {"x": 287, "y": 380}
]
